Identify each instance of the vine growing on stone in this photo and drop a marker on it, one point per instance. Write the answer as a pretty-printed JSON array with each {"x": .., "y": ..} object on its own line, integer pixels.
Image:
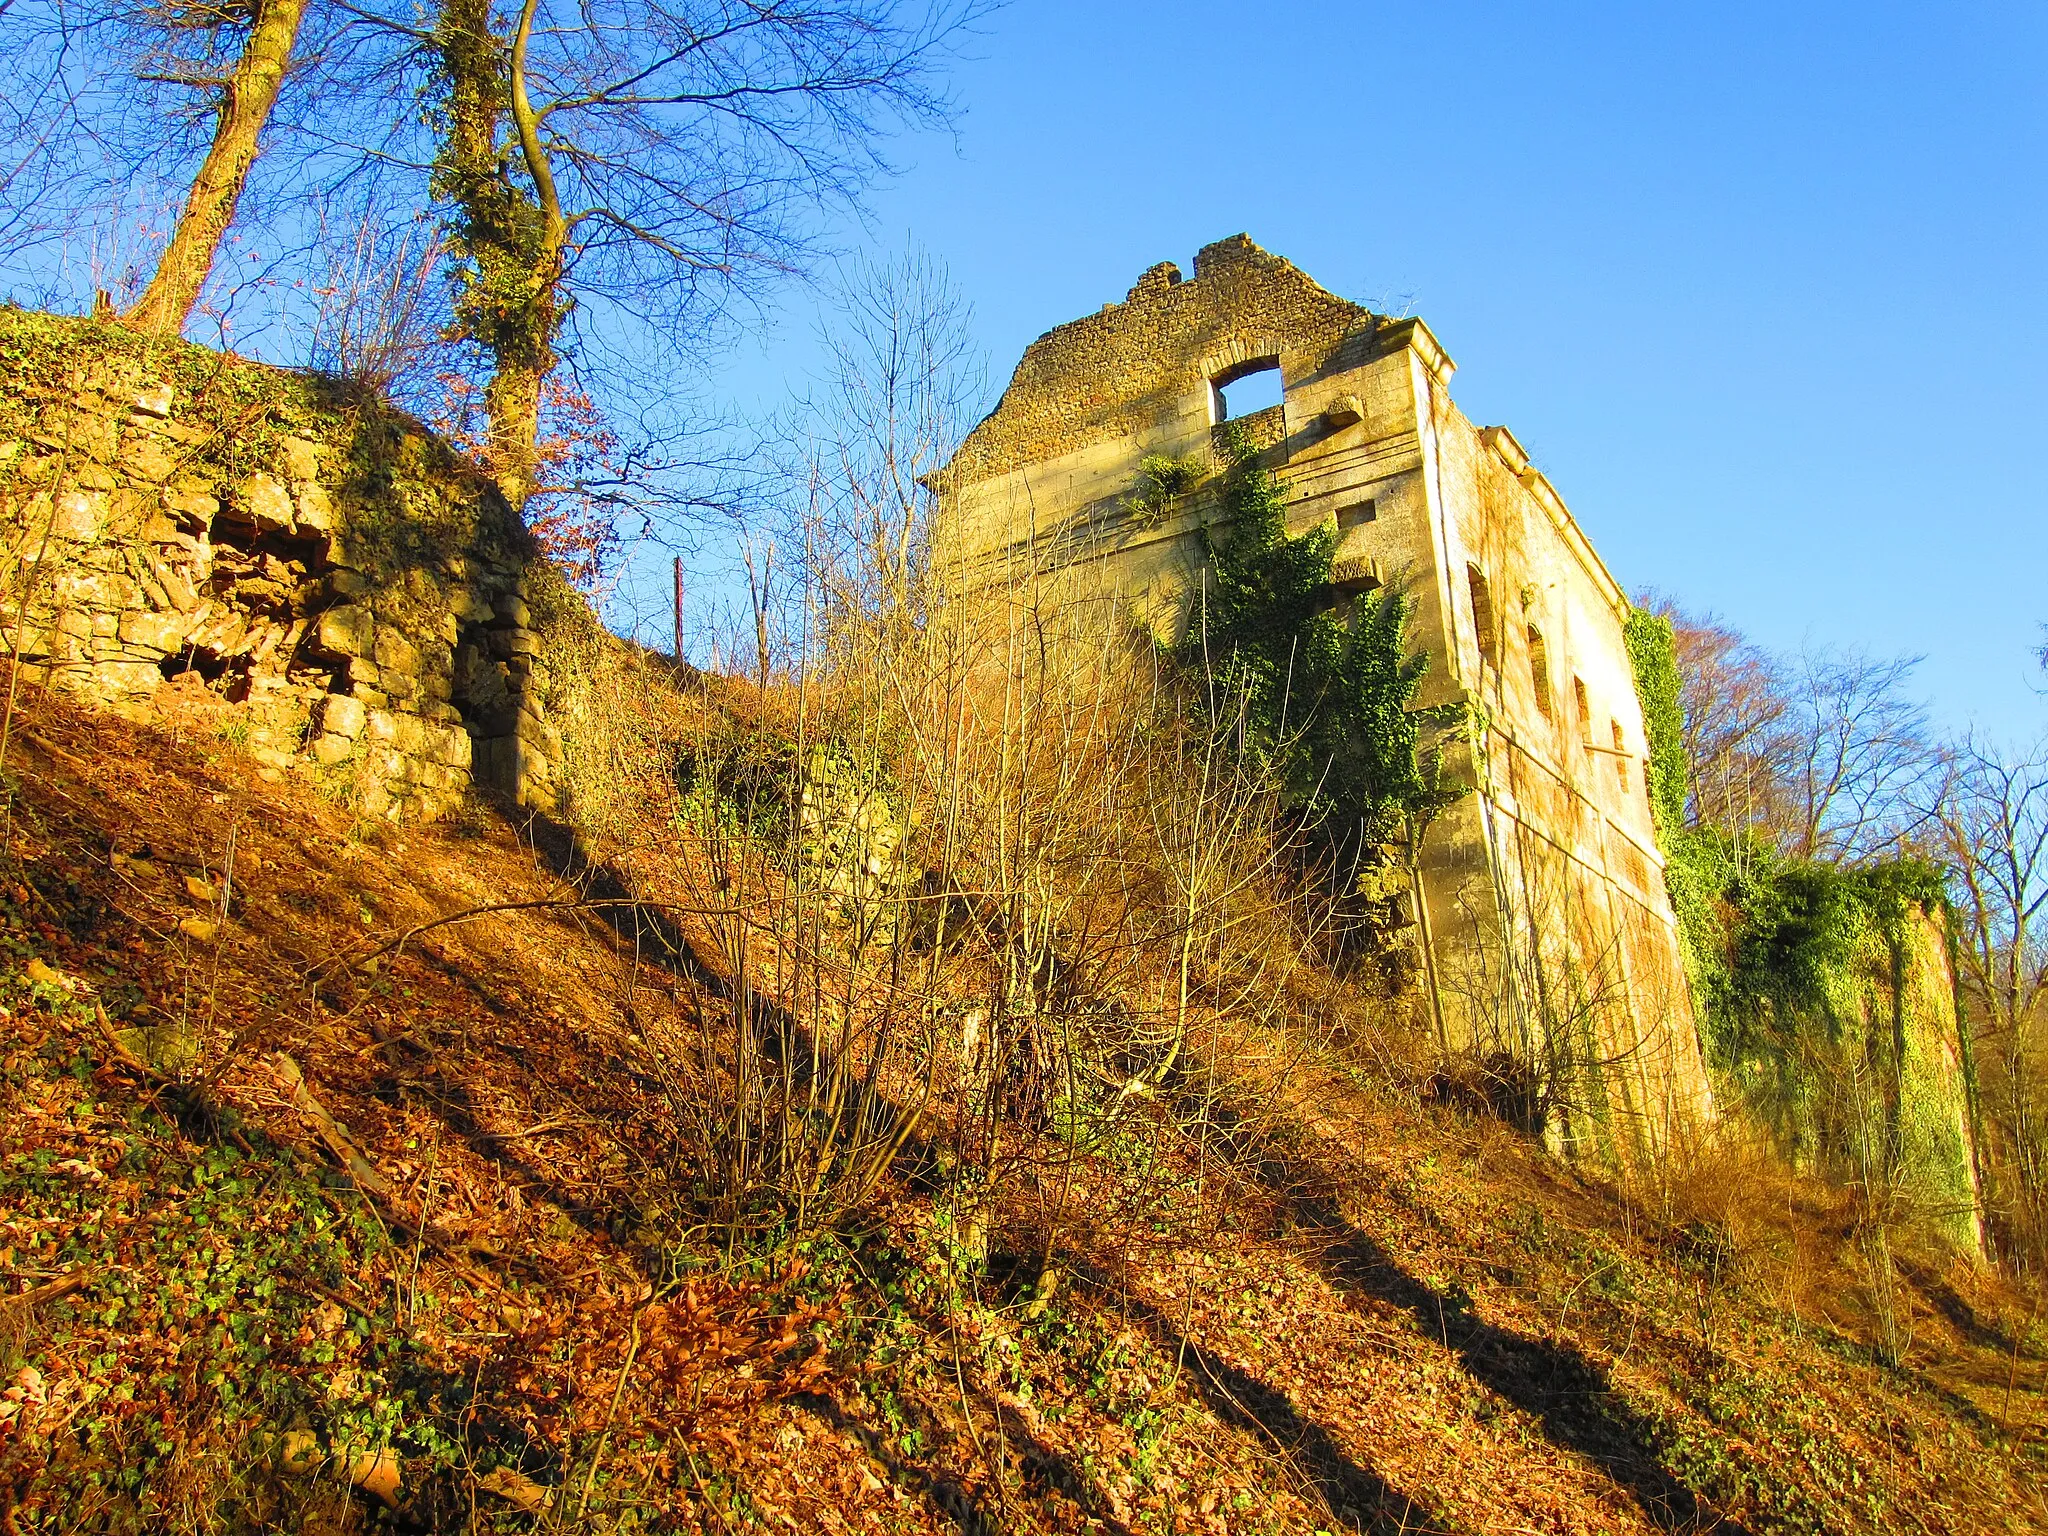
[
  {"x": 1324, "y": 689},
  {"x": 1802, "y": 978}
]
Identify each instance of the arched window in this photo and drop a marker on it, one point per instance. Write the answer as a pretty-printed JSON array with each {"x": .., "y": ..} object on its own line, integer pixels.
[
  {"x": 1482, "y": 616},
  {"x": 1539, "y": 672},
  {"x": 1246, "y": 389},
  {"x": 1585, "y": 710},
  {"x": 1620, "y": 755}
]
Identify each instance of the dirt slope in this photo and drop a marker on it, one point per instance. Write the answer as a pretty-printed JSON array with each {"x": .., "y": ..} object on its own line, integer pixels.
[{"x": 1378, "y": 1315}]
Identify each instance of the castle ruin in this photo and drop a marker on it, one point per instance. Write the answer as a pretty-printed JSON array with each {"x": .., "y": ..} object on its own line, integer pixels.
[{"x": 1545, "y": 929}]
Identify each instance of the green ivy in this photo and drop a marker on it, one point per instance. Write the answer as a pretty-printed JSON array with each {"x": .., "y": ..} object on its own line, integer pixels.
[
  {"x": 1653, "y": 655},
  {"x": 1325, "y": 693},
  {"x": 1802, "y": 978}
]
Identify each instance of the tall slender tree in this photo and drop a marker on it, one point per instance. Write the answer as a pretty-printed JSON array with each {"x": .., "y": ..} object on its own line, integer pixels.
[
  {"x": 651, "y": 155},
  {"x": 246, "y": 98}
]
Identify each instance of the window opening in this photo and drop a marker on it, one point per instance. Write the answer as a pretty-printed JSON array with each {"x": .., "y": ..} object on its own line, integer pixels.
[
  {"x": 1247, "y": 390},
  {"x": 1620, "y": 755},
  {"x": 1585, "y": 709},
  {"x": 1482, "y": 615},
  {"x": 1539, "y": 671},
  {"x": 1357, "y": 515}
]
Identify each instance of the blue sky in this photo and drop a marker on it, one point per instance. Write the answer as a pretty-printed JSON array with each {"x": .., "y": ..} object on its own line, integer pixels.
[{"x": 1764, "y": 289}]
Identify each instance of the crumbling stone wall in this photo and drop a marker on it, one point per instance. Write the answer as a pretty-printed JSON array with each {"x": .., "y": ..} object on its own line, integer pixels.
[
  {"x": 1544, "y": 927},
  {"x": 175, "y": 517}
]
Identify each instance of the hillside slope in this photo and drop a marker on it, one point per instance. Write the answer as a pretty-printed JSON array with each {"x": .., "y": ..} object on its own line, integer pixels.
[{"x": 307, "y": 1228}]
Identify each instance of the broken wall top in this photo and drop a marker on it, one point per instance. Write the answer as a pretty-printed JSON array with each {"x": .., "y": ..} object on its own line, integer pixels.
[{"x": 1137, "y": 366}]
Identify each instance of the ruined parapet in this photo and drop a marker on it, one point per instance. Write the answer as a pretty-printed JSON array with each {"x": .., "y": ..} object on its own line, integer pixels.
[
  {"x": 315, "y": 557},
  {"x": 1094, "y": 491}
]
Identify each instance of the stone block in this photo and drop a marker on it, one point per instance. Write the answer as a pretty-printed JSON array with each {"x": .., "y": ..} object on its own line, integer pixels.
[
  {"x": 1344, "y": 411},
  {"x": 450, "y": 744},
  {"x": 162, "y": 633},
  {"x": 129, "y": 679},
  {"x": 432, "y": 775},
  {"x": 79, "y": 516},
  {"x": 472, "y": 609},
  {"x": 521, "y": 642},
  {"x": 401, "y": 732},
  {"x": 146, "y": 457},
  {"x": 339, "y": 715},
  {"x": 265, "y": 505},
  {"x": 395, "y": 653},
  {"x": 302, "y": 458},
  {"x": 400, "y": 685},
  {"x": 330, "y": 749},
  {"x": 316, "y": 512},
  {"x": 513, "y": 611},
  {"x": 153, "y": 400},
  {"x": 349, "y": 630},
  {"x": 177, "y": 587},
  {"x": 194, "y": 507},
  {"x": 347, "y": 583}
]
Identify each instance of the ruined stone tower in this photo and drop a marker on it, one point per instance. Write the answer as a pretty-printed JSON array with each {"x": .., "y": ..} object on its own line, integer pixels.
[{"x": 1541, "y": 906}]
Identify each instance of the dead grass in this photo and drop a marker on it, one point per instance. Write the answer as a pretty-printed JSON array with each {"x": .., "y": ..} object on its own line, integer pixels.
[{"x": 1283, "y": 1295}]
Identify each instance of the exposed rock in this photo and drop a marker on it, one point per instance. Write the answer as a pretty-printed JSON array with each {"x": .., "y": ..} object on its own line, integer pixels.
[
  {"x": 345, "y": 631},
  {"x": 158, "y": 632},
  {"x": 330, "y": 750},
  {"x": 265, "y": 504},
  {"x": 339, "y": 715},
  {"x": 78, "y": 516},
  {"x": 302, "y": 459},
  {"x": 316, "y": 512},
  {"x": 377, "y": 1474},
  {"x": 394, "y": 652}
]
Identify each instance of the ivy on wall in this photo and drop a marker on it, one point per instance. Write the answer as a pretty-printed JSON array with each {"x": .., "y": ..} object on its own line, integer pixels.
[
  {"x": 1325, "y": 689},
  {"x": 1822, "y": 992}
]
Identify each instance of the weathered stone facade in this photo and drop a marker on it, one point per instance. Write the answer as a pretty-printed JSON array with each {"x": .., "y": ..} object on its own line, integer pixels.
[
  {"x": 1547, "y": 932},
  {"x": 322, "y": 561}
]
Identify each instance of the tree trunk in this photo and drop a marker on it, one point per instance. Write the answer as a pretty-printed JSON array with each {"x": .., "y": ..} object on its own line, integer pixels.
[
  {"x": 510, "y": 236},
  {"x": 245, "y": 106}
]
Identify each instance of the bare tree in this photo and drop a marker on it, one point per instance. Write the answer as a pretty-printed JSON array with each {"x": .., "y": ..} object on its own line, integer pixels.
[
  {"x": 243, "y": 99},
  {"x": 651, "y": 156},
  {"x": 137, "y": 123},
  {"x": 1739, "y": 743},
  {"x": 1991, "y": 818},
  {"x": 904, "y": 380},
  {"x": 1824, "y": 753},
  {"x": 1865, "y": 756}
]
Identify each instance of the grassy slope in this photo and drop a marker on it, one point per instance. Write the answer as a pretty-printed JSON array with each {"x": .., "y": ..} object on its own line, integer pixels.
[{"x": 1378, "y": 1314}]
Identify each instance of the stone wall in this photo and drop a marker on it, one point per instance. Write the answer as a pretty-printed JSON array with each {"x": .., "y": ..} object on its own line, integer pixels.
[
  {"x": 1545, "y": 926},
  {"x": 176, "y": 517}
]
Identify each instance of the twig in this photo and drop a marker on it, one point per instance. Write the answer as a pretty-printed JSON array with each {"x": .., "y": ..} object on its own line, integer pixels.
[
  {"x": 603, "y": 1439},
  {"x": 72, "y": 1281}
]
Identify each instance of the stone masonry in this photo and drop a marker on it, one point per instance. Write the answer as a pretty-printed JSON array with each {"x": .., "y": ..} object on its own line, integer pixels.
[
  {"x": 1546, "y": 932},
  {"x": 172, "y": 516}
]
